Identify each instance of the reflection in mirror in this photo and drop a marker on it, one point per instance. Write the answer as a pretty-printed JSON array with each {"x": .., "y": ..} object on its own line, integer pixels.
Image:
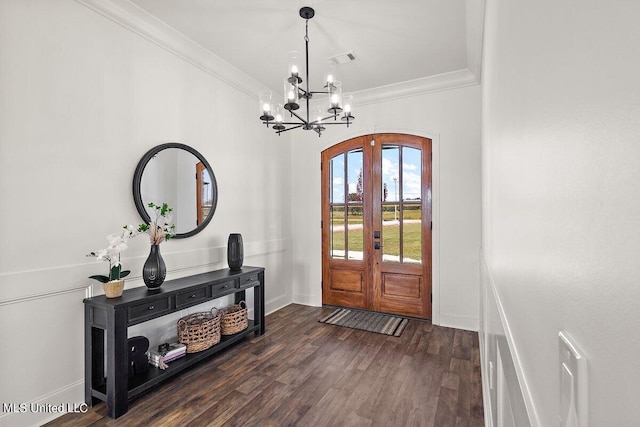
[
  {"x": 204, "y": 192},
  {"x": 178, "y": 175}
]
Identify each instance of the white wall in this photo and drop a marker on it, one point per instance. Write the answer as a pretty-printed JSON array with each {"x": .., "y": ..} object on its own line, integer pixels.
[
  {"x": 82, "y": 99},
  {"x": 452, "y": 119},
  {"x": 561, "y": 212}
]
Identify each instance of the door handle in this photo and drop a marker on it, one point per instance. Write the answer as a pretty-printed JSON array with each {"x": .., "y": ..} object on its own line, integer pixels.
[{"x": 376, "y": 245}]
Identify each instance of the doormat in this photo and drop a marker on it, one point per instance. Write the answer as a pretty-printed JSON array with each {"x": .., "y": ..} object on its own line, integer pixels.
[{"x": 367, "y": 321}]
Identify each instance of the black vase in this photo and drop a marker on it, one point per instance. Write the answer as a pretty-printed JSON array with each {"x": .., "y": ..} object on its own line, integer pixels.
[
  {"x": 235, "y": 252},
  {"x": 154, "y": 271}
]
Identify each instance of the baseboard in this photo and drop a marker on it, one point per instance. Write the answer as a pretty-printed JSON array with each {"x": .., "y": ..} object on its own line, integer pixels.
[
  {"x": 486, "y": 399},
  {"x": 467, "y": 323},
  {"x": 305, "y": 299},
  {"x": 276, "y": 304},
  {"x": 46, "y": 408}
]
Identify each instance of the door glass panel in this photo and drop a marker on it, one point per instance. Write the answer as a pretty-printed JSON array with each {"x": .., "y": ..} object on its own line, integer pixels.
[
  {"x": 412, "y": 233},
  {"x": 401, "y": 204},
  {"x": 355, "y": 235},
  {"x": 346, "y": 205},
  {"x": 355, "y": 245},
  {"x": 354, "y": 159},
  {"x": 390, "y": 208},
  {"x": 337, "y": 179},
  {"x": 336, "y": 201},
  {"x": 411, "y": 208},
  {"x": 337, "y": 231},
  {"x": 391, "y": 240},
  {"x": 390, "y": 173},
  {"x": 411, "y": 173}
]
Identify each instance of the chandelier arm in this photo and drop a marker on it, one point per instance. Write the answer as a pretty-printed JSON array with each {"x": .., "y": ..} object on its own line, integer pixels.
[
  {"x": 333, "y": 116},
  {"x": 304, "y": 122},
  {"x": 291, "y": 128},
  {"x": 282, "y": 123}
]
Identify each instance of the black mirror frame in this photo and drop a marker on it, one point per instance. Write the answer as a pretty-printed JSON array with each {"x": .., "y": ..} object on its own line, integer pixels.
[{"x": 137, "y": 179}]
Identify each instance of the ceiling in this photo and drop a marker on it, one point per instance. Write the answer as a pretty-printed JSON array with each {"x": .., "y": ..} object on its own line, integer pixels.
[{"x": 392, "y": 41}]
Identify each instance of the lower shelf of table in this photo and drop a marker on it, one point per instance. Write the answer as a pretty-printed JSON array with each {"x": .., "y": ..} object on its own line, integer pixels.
[{"x": 142, "y": 382}]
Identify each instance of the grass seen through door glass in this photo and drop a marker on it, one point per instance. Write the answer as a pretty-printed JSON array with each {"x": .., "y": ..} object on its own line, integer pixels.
[{"x": 412, "y": 234}]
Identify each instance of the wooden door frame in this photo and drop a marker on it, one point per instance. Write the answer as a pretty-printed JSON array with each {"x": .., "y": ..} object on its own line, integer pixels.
[
  {"x": 344, "y": 147},
  {"x": 434, "y": 271},
  {"x": 424, "y": 269}
]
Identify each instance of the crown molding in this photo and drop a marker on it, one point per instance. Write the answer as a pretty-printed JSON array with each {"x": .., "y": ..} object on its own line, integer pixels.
[
  {"x": 475, "y": 31},
  {"x": 437, "y": 83},
  {"x": 139, "y": 21}
]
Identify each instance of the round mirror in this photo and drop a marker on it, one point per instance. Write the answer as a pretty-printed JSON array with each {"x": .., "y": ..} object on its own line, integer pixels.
[{"x": 178, "y": 175}]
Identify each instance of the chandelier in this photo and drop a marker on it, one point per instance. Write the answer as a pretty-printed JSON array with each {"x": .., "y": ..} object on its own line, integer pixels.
[{"x": 338, "y": 106}]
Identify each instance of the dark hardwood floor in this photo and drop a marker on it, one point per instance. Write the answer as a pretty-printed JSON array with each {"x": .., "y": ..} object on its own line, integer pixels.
[{"x": 305, "y": 373}]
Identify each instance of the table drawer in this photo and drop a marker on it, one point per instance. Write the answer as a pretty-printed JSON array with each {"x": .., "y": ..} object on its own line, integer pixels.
[
  {"x": 192, "y": 297},
  {"x": 248, "y": 281},
  {"x": 149, "y": 309},
  {"x": 223, "y": 287}
]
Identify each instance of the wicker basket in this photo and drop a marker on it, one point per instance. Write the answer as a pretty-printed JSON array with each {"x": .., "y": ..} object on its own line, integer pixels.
[
  {"x": 199, "y": 331},
  {"x": 234, "y": 319}
]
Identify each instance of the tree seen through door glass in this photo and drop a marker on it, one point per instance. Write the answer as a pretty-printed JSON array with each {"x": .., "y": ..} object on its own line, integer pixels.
[{"x": 346, "y": 206}]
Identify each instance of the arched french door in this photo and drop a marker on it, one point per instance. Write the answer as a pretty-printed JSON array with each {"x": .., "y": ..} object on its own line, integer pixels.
[{"x": 376, "y": 224}]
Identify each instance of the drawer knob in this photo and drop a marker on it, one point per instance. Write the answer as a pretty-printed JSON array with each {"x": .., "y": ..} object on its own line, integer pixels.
[
  {"x": 193, "y": 296},
  {"x": 151, "y": 307},
  {"x": 225, "y": 286}
]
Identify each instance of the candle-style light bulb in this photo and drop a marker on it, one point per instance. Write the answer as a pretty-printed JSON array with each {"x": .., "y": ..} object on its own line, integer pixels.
[
  {"x": 278, "y": 113},
  {"x": 318, "y": 125},
  {"x": 265, "y": 106},
  {"x": 347, "y": 102},
  {"x": 294, "y": 70},
  {"x": 330, "y": 76},
  {"x": 291, "y": 94}
]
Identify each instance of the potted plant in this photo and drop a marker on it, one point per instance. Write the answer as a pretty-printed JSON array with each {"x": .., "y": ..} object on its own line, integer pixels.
[
  {"x": 113, "y": 283},
  {"x": 160, "y": 229}
]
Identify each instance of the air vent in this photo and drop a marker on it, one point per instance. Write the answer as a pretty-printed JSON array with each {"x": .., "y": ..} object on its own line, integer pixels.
[{"x": 343, "y": 58}]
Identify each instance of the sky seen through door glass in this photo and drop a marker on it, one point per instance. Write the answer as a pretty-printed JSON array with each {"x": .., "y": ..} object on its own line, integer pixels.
[{"x": 390, "y": 170}]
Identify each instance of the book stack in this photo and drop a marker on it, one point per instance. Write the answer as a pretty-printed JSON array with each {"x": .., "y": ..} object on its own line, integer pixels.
[{"x": 166, "y": 353}]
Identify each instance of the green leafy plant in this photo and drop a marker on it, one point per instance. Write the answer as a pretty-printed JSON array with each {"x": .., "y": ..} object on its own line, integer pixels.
[
  {"x": 160, "y": 228},
  {"x": 111, "y": 254}
]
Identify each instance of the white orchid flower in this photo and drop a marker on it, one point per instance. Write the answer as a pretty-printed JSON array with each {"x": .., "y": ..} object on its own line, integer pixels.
[{"x": 102, "y": 254}]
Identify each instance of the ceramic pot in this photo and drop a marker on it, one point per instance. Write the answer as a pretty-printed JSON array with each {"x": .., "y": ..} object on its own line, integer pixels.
[
  {"x": 154, "y": 270},
  {"x": 114, "y": 288},
  {"x": 235, "y": 252}
]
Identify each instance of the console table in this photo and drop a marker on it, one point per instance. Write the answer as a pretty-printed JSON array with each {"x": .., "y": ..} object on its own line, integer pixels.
[{"x": 112, "y": 316}]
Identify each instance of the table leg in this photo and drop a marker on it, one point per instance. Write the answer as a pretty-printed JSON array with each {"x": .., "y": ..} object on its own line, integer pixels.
[{"x": 117, "y": 369}]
